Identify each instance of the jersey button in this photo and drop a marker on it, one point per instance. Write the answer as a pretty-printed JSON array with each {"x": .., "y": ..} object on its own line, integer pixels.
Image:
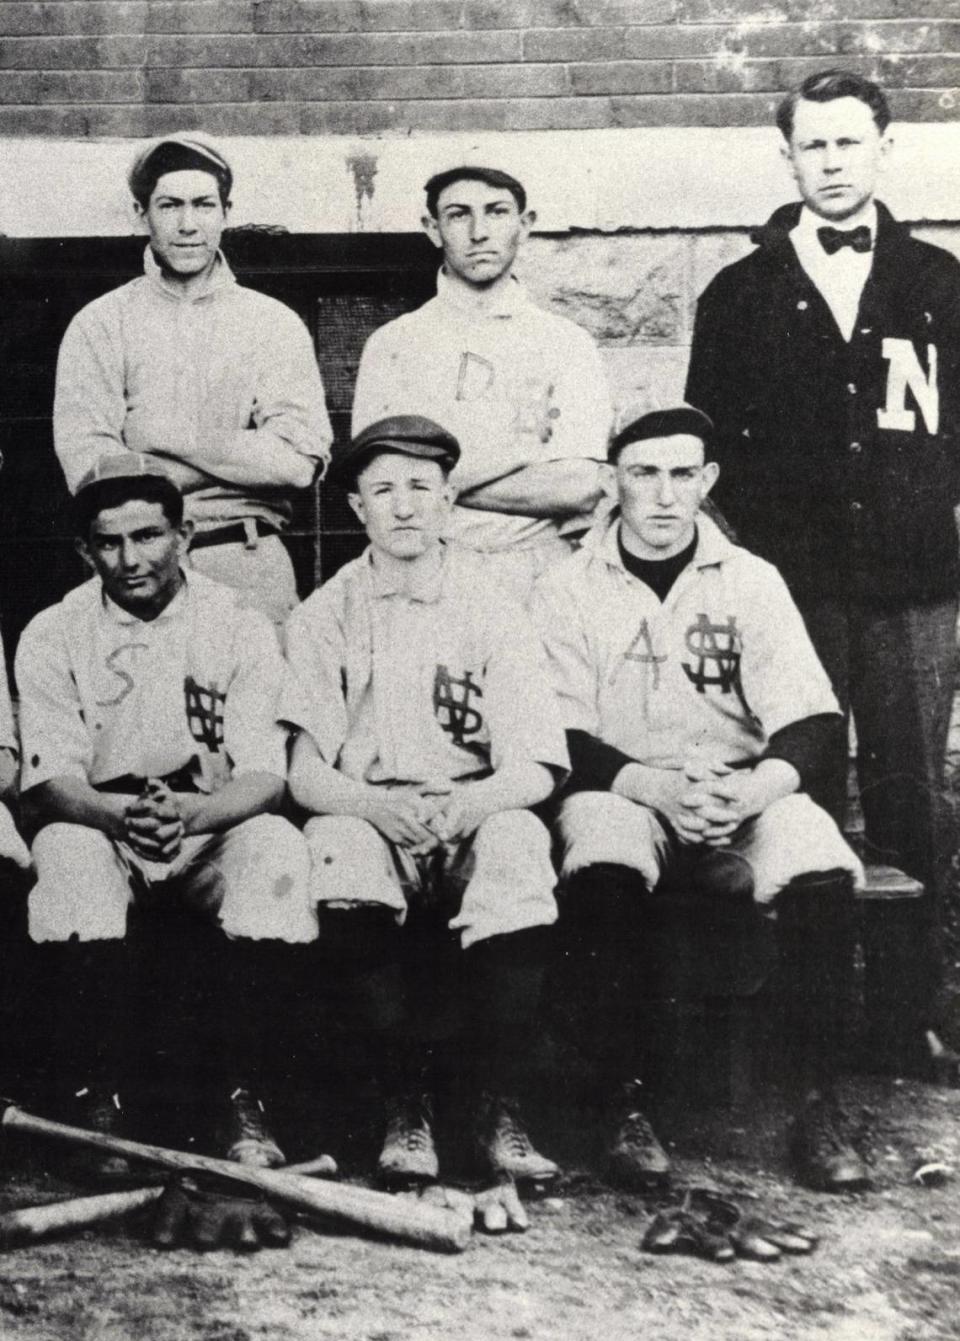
[
  {"x": 852, "y": 388},
  {"x": 856, "y": 508},
  {"x": 855, "y": 448}
]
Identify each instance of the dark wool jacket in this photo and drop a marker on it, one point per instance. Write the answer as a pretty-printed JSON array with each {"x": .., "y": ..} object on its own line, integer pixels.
[{"x": 840, "y": 463}]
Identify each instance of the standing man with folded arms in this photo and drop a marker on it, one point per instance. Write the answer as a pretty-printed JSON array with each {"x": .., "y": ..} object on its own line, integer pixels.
[
  {"x": 218, "y": 381},
  {"x": 522, "y": 390},
  {"x": 829, "y": 361}
]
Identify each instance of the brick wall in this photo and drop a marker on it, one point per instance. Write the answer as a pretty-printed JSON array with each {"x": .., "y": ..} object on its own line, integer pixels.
[{"x": 316, "y": 67}]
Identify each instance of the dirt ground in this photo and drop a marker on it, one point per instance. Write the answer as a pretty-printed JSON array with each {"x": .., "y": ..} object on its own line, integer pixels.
[{"x": 887, "y": 1268}]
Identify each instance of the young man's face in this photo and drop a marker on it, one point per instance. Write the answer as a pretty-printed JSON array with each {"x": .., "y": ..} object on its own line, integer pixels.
[
  {"x": 185, "y": 218},
  {"x": 403, "y": 502},
  {"x": 480, "y": 229},
  {"x": 660, "y": 484},
  {"x": 836, "y": 155},
  {"x": 136, "y": 551}
]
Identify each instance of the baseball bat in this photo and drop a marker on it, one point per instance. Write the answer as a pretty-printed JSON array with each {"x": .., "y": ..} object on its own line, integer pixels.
[
  {"x": 33, "y": 1223},
  {"x": 361, "y": 1207}
]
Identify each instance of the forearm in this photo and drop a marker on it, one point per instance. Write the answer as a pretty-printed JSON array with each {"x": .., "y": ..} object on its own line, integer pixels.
[
  {"x": 73, "y": 801},
  {"x": 242, "y": 798},
  {"x": 261, "y": 458},
  {"x": 550, "y": 489},
  {"x": 770, "y": 780},
  {"x": 645, "y": 785},
  {"x": 323, "y": 790},
  {"x": 512, "y": 787}
]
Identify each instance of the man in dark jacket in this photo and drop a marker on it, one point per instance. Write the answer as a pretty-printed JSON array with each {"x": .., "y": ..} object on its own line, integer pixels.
[{"x": 829, "y": 361}]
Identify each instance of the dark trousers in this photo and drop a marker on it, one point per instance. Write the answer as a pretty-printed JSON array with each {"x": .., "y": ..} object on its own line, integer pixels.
[{"x": 894, "y": 669}]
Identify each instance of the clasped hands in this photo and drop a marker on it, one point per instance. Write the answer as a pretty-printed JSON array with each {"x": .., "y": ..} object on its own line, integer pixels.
[
  {"x": 154, "y": 823},
  {"x": 708, "y": 802},
  {"x": 425, "y": 817}
]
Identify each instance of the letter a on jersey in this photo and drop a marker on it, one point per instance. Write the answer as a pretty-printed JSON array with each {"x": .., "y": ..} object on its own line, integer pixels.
[{"x": 906, "y": 373}]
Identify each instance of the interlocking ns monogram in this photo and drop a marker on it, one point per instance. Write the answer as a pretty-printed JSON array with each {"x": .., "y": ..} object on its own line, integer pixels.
[
  {"x": 715, "y": 645},
  {"x": 204, "y": 713},
  {"x": 451, "y": 705}
]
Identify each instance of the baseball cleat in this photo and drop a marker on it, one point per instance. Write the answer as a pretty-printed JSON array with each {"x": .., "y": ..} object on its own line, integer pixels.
[
  {"x": 823, "y": 1156},
  {"x": 409, "y": 1156},
  {"x": 244, "y": 1136},
  {"x": 503, "y": 1145},
  {"x": 635, "y": 1157},
  {"x": 99, "y": 1110}
]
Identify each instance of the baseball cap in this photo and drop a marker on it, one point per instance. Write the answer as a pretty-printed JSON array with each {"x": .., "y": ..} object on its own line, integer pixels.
[
  {"x": 173, "y": 153},
  {"x": 409, "y": 434},
  {"x": 123, "y": 466},
  {"x": 663, "y": 424}
]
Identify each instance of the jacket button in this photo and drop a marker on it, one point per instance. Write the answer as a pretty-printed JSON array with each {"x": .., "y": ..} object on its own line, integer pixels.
[
  {"x": 856, "y": 508},
  {"x": 852, "y": 388},
  {"x": 855, "y": 448}
]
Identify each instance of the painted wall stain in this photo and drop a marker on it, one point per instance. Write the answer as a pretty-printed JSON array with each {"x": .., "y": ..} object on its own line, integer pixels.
[{"x": 363, "y": 168}]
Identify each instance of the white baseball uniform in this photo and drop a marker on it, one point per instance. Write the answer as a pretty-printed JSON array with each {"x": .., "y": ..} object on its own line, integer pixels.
[
  {"x": 112, "y": 699},
  {"x": 402, "y": 690},
  {"x": 514, "y": 384},
  {"x": 710, "y": 674}
]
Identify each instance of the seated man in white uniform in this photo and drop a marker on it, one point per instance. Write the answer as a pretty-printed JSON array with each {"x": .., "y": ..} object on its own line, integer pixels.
[
  {"x": 698, "y": 719},
  {"x": 521, "y": 389},
  {"x": 429, "y": 727},
  {"x": 153, "y": 765}
]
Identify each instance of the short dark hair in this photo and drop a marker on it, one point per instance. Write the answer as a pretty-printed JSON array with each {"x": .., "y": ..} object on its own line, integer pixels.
[
  {"x": 828, "y": 85},
  {"x": 176, "y": 155},
  {"x": 492, "y": 176},
  {"x": 113, "y": 493}
]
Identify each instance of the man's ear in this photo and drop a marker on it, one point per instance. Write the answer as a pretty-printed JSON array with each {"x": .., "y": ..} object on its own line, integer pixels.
[
  {"x": 185, "y": 530},
  {"x": 528, "y": 218},
  {"x": 432, "y": 229},
  {"x": 83, "y": 549},
  {"x": 608, "y": 479},
  {"x": 356, "y": 503},
  {"x": 709, "y": 475},
  {"x": 139, "y": 213},
  {"x": 787, "y": 156}
]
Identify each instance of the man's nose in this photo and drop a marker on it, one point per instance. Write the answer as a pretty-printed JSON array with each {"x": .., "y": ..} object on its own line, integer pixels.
[
  {"x": 478, "y": 227},
  {"x": 665, "y": 490},
  {"x": 402, "y": 503},
  {"x": 832, "y": 158},
  {"x": 129, "y": 554},
  {"x": 187, "y": 222}
]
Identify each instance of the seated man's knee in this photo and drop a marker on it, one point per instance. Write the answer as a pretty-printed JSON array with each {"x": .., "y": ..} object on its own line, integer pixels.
[
  {"x": 601, "y": 828},
  {"x": 264, "y": 877},
  {"x": 351, "y": 863},
  {"x": 82, "y": 889}
]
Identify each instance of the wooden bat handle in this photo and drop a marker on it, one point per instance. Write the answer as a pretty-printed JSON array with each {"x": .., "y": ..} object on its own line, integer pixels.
[
  {"x": 427, "y": 1226},
  {"x": 42, "y": 1222}
]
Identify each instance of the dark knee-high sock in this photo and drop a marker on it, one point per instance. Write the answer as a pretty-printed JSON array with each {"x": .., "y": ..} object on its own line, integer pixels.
[
  {"x": 84, "y": 988},
  {"x": 359, "y": 951},
  {"x": 816, "y": 936},
  {"x": 502, "y": 983},
  {"x": 602, "y": 940}
]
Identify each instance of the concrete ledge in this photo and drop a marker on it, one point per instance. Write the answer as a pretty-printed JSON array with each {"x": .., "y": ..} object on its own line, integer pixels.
[{"x": 595, "y": 180}]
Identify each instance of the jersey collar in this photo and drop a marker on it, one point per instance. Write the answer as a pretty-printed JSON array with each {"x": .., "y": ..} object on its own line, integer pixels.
[
  {"x": 221, "y": 276},
  {"x": 713, "y": 547},
  {"x": 507, "y": 301}
]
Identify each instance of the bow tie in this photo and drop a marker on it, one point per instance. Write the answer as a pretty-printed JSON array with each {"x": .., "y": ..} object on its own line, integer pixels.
[{"x": 832, "y": 239}]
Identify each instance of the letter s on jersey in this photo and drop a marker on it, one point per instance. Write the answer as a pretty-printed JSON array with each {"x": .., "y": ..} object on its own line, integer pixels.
[{"x": 905, "y": 372}]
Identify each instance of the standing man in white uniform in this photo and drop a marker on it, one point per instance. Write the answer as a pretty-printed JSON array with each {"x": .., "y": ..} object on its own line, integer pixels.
[
  {"x": 522, "y": 390},
  {"x": 218, "y": 381}
]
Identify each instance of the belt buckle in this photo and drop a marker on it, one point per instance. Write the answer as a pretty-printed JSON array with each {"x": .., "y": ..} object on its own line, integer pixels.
[{"x": 251, "y": 538}]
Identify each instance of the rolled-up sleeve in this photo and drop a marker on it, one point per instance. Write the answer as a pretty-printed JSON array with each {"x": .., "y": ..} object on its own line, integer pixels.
[
  {"x": 253, "y": 734},
  {"x": 54, "y": 739},
  {"x": 313, "y": 693}
]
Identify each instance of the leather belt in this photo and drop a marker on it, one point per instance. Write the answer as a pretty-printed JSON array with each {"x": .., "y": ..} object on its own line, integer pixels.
[{"x": 237, "y": 533}]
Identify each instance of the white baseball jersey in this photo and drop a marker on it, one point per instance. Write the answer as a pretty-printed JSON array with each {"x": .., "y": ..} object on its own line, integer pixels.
[
  {"x": 515, "y": 386},
  {"x": 445, "y": 684},
  {"x": 104, "y": 694},
  {"x": 723, "y": 663}
]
